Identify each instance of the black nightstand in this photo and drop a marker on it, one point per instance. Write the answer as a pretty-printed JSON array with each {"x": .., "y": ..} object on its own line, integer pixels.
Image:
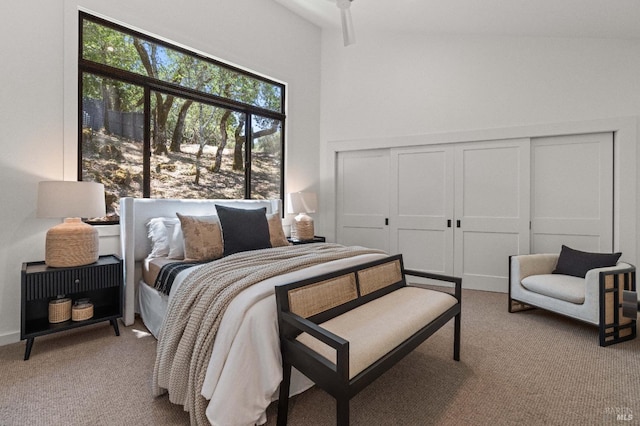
[
  {"x": 316, "y": 239},
  {"x": 101, "y": 282}
]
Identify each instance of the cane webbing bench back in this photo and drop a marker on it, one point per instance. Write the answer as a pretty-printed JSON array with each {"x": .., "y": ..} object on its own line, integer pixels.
[
  {"x": 319, "y": 297},
  {"x": 379, "y": 276}
]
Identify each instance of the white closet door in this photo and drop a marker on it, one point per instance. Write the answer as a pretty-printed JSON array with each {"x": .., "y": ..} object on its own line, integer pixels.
[
  {"x": 421, "y": 207},
  {"x": 572, "y": 193},
  {"x": 492, "y": 207},
  {"x": 363, "y": 198}
]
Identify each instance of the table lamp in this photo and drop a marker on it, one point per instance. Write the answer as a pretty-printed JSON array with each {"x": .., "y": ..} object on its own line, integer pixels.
[
  {"x": 302, "y": 203},
  {"x": 73, "y": 242}
]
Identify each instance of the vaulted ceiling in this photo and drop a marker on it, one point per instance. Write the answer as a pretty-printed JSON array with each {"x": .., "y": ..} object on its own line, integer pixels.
[{"x": 539, "y": 18}]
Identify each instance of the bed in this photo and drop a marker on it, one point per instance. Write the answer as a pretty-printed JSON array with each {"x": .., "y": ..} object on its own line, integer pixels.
[{"x": 234, "y": 366}]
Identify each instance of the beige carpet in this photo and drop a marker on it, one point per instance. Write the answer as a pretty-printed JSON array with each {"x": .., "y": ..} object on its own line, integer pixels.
[{"x": 528, "y": 368}]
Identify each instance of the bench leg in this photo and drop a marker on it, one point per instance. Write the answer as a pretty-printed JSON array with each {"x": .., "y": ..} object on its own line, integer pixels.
[
  {"x": 456, "y": 338},
  {"x": 283, "y": 398},
  {"x": 342, "y": 408}
]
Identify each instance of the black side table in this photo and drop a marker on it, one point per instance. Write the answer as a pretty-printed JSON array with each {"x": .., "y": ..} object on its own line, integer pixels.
[
  {"x": 316, "y": 239},
  {"x": 101, "y": 282}
]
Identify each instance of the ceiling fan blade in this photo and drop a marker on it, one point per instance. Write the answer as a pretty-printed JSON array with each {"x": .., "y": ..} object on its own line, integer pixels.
[{"x": 348, "y": 33}]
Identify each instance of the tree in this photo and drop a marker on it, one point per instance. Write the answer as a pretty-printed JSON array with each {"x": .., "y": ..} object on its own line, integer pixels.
[
  {"x": 162, "y": 106},
  {"x": 224, "y": 136},
  {"x": 101, "y": 44},
  {"x": 203, "y": 123},
  {"x": 240, "y": 138},
  {"x": 178, "y": 130}
]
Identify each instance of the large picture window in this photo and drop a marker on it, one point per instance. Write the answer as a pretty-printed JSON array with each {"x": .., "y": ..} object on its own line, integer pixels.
[{"x": 156, "y": 120}]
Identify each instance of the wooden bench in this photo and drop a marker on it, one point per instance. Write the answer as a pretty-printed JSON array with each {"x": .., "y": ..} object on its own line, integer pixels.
[{"x": 344, "y": 329}]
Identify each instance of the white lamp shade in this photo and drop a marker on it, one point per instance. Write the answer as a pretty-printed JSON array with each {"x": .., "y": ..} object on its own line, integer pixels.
[
  {"x": 302, "y": 202},
  {"x": 63, "y": 199}
]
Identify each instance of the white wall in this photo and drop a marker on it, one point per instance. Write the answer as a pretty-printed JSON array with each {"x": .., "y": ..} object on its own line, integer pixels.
[
  {"x": 395, "y": 90},
  {"x": 38, "y": 89},
  {"x": 406, "y": 84}
]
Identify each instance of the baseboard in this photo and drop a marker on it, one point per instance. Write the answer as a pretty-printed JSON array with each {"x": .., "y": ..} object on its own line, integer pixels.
[{"x": 9, "y": 338}]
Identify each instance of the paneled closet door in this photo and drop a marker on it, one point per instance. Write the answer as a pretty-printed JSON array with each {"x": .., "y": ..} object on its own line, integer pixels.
[
  {"x": 363, "y": 198},
  {"x": 492, "y": 199},
  {"x": 421, "y": 207},
  {"x": 572, "y": 193}
]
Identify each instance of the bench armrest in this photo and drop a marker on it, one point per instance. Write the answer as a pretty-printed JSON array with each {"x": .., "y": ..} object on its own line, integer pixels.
[
  {"x": 325, "y": 336},
  {"x": 304, "y": 325},
  {"x": 457, "y": 281}
]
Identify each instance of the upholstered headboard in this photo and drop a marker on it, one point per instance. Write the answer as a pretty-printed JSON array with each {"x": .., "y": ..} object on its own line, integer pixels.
[{"x": 135, "y": 213}]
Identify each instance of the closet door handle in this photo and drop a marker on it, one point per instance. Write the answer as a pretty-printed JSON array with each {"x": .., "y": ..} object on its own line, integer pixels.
[
  {"x": 449, "y": 223},
  {"x": 458, "y": 223}
]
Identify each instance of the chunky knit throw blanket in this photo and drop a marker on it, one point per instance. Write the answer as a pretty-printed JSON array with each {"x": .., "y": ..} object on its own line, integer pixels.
[{"x": 194, "y": 313}]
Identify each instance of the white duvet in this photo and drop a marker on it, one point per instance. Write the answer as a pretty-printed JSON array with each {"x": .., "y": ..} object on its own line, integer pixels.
[{"x": 245, "y": 368}]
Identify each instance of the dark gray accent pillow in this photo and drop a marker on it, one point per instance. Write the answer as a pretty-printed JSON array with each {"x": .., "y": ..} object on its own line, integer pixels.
[
  {"x": 577, "y": 263},
  {"x": 243, "y": 230}
]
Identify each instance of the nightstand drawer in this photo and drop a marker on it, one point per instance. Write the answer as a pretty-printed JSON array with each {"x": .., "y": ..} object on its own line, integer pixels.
[{"x": 53, "y": 282}]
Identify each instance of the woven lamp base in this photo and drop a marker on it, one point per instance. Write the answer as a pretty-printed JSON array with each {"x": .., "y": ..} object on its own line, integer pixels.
[
  {"x": 72, "y": 243},
  {"x": 302, "y": 228}
]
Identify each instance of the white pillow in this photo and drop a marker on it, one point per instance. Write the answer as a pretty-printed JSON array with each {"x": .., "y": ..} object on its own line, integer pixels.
[
  {"x": 159, "y": 235},
  {"x": 176, "y": 241}
]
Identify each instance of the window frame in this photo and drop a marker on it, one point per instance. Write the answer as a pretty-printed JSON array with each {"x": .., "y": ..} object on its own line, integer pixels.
[{"x": 150, "y": 84}]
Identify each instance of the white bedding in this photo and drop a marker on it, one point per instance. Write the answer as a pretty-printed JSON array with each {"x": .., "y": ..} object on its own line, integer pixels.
[
  {"x": 245, "y": 368},
  {"x": 153, "y": 307}
]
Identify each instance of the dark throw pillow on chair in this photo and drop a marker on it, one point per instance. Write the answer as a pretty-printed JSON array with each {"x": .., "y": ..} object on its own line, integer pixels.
[
  {"x": 243, "y": 230},
  {"x": 577, "y": 263}
]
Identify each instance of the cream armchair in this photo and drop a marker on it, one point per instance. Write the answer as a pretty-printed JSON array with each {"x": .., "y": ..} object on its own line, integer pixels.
[{"x": 605, "y": 297}]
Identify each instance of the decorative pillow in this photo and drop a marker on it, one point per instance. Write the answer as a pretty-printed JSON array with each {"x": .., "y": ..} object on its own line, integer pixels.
[
  {"x": 202, "y": 237},
  {"x": 243, "y": 230},
  {"x": 276, "y": 233},
  {"x": 159, "y": 235},
  {"x": 176, "y": 241},
  {"x": 577, "y": 263}
]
